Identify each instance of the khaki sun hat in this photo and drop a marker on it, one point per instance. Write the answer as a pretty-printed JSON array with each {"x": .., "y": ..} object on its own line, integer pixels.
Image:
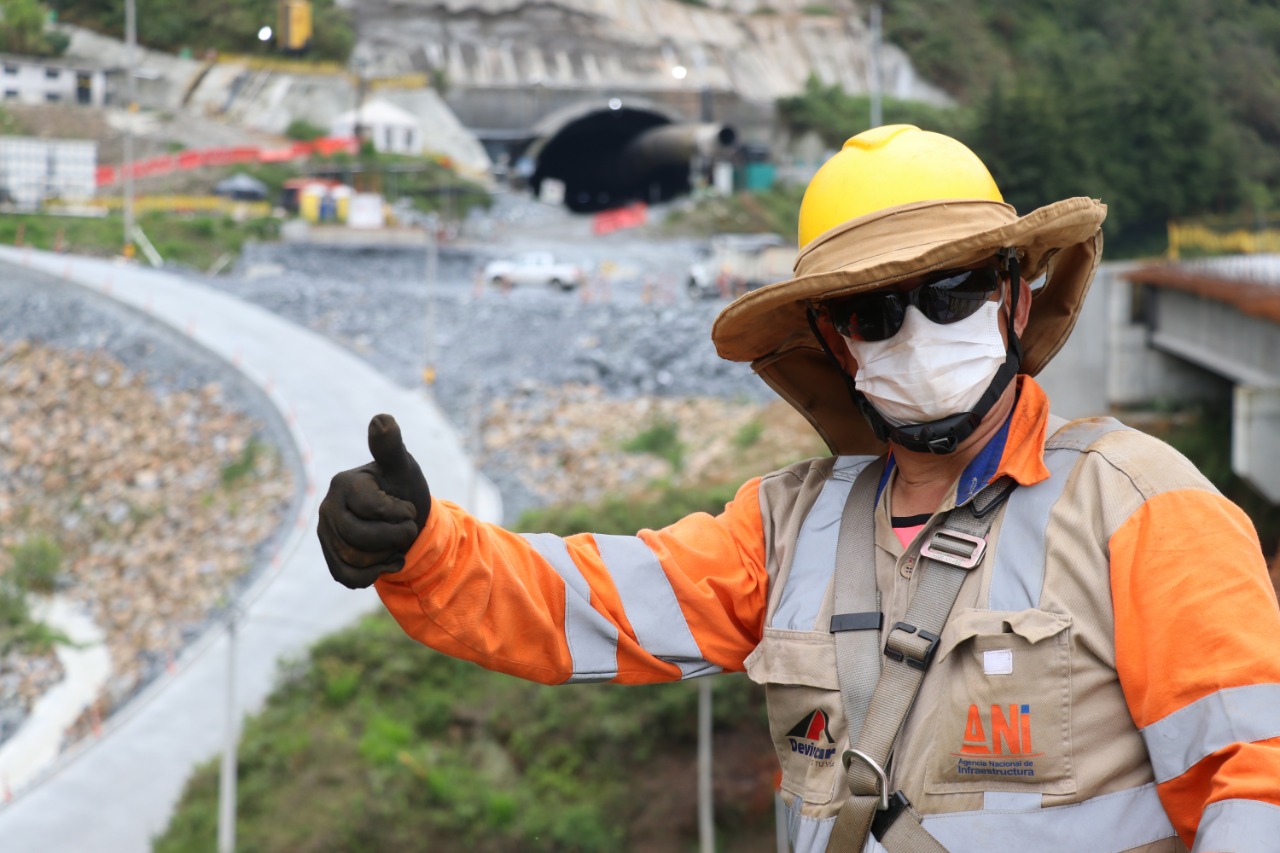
[{"x": 881, "y": 244}]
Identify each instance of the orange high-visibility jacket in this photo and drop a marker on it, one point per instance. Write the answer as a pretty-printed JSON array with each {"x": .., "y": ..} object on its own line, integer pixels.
[{"x": 1153, "y": 634}]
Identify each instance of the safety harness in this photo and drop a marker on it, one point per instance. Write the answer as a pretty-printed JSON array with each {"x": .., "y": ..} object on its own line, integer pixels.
[{"x": 878, "y": 688}]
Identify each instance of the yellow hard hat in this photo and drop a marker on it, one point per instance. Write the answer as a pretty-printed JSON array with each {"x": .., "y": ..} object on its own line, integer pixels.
[{"x": 888, "y": 166}]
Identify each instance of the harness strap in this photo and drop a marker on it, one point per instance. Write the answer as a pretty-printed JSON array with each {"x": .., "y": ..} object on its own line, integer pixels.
[
  {"x": 857, "y": 621},
  {"x": 953, "y": 550}
]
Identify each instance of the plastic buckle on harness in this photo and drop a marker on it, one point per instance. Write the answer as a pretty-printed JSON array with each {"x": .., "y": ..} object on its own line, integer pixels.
[
  {"x": 885, "y": 818},
  {"x": 954, "y": 548},
  {"x": 882, "y": 778},
  {"x": 903, "y": 653}
]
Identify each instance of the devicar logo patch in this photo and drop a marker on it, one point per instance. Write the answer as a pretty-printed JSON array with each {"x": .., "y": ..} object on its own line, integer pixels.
[
  {"x": 997, "y": 742},
  {"x": 811, "y": 738}
]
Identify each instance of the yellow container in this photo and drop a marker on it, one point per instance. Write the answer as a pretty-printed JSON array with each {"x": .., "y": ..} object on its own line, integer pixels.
[
  {"x": 342, "y": 202},
  {"x": 309, "y": 204}
]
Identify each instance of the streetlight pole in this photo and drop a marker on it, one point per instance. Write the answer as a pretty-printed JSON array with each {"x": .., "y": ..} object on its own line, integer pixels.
[
  {"x": 433, "y": 256},
  {"x": 874, "y": 77},
  {"x": 706, "y": 816},
  {"x": 227, "y": 779},
  {"x": 130, "y": 84}
]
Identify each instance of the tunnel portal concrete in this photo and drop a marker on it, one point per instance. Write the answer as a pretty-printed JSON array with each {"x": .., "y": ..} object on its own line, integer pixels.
[{"x": 606, "y": 156}]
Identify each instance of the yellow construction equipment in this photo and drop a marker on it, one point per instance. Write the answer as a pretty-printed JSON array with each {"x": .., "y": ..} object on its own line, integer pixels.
[{"x": 293, "y": 32}]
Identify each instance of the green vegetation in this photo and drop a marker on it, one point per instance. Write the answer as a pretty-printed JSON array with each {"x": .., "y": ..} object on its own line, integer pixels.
[
  {"x": 773, "y": 210},
  {"x": 236, "y": 471},
  {"x": 196, "y": 240},
  {"x": 661, "y": 439},
  {"x": 375, "y": 743},
  {"x": 432, "y": 185},
  {"x": 303, "y": 130},
  {"x": 23, "y": 31},
  {"x": 625, "y": 514},
  {"x": 1163, "y": 110},
  {"x": 835, "y": 115},
  {"x": 748, "y": 435},
  {"x": 203, "y": 25},
  {"x": 36, "y": 565}
]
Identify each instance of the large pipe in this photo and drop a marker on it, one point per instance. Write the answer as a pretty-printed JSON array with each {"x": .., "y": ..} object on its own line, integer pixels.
[
  {"x": 677, "y": 144},
  {"x": 605, "y": 163}
]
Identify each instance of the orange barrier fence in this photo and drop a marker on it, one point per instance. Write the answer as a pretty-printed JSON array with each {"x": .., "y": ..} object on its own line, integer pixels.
[{"x": 183, "y": 160}]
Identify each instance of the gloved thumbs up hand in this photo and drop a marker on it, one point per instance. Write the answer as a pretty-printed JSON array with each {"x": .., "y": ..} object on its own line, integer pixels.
[
  {"x": 371, "y": 515},
  {"x": 395, "y": 469}
]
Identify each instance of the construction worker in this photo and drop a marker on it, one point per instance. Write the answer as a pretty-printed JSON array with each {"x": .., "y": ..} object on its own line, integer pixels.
[{"x": 1006, "y": 632}]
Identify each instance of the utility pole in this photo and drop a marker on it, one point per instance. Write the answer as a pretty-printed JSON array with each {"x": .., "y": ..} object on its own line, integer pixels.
[
  {"x": 130, "y": 85},
  {"x": 706, "y": 805},
  {"x": 433, "y": 262},
  {"x": 227, "y": 780},
  {"x": 873, "y": 80}
]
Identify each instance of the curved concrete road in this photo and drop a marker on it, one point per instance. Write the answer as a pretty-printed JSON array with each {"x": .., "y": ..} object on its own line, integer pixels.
[{"x": 114, "y": 793}]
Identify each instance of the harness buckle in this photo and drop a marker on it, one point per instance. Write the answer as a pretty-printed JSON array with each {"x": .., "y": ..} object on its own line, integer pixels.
[
  {"x": 896, "y": 649},
  {"x": 954, "y": 548},
  {"x": 882, "y": 778}
]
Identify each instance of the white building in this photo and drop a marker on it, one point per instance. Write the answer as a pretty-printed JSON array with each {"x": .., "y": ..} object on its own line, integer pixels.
[
  {"x": 390, "y": 129},
  {"x": 39, "y": 80},
  {"x": 34, "y": 171}
]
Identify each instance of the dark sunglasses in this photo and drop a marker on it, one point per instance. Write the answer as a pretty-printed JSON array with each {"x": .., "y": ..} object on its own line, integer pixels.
[{"x": 944, "y": 297}]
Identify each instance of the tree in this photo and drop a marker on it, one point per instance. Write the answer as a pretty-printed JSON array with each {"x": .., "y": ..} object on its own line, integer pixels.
[{"x": 22, "y": 29}]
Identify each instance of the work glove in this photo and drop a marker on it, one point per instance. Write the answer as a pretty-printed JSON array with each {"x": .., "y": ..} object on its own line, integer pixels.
[{"x": 372, "y": 514}]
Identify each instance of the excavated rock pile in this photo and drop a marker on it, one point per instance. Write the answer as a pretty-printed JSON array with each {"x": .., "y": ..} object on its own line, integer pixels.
[
  {"x": 158, "y": 499},
  {"x": 574, "y": 443}
]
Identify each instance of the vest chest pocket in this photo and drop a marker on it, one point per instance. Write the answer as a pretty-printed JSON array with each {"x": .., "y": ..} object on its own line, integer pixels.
[
  {"x": 806, "y": 717},
  {"x": 1005, "y": 720}
]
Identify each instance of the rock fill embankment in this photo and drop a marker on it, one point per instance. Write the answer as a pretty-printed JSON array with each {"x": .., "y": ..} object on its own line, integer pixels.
[{"x": 157, "y": 499}]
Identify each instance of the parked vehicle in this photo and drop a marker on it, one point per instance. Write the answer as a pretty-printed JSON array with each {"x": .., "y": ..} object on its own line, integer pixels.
[
  {"x": 534, "y": 268},
  {"x": 732, "y": 264}
]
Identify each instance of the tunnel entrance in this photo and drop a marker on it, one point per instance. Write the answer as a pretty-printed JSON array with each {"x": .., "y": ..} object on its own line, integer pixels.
[{"x": 612, "y": 157}]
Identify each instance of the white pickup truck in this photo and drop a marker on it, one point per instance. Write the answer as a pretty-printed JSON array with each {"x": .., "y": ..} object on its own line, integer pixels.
[
  {"x": 732, "y": 264},
  {"x": 534, "y": 268}
]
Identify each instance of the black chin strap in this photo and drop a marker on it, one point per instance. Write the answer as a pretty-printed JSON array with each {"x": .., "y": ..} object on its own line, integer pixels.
[{"x": 945, "y": 434}]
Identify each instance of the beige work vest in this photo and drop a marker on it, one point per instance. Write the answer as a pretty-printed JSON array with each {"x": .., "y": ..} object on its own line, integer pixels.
[{"x": 1022, "y": 711}]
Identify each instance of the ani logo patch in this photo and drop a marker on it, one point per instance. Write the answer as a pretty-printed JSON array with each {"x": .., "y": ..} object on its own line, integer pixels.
[
  {"x": 811, "y": 737},
  {"x": 998, "y": 743}
]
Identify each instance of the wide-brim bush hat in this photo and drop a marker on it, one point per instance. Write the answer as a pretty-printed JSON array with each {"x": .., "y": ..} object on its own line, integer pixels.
[{"x": 895, "y": 203}]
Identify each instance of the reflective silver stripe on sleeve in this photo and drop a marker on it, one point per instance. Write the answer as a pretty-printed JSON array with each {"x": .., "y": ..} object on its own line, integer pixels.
[
  {"x": 1017, "y": 578},
  {"x": 1111, "y": 822},
  {"x": 651, "y": 605},
  {"x": 592, "y": 639},
  {"x": 809, "y": 834},
  {"x": 1213, "y": 722},
  {"x": 815, "y": 556},
  {"x": 1238, "y": 826}
]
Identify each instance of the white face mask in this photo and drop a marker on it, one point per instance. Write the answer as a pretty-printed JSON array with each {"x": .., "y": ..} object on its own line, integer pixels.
[{"x": 928, "y": 370}]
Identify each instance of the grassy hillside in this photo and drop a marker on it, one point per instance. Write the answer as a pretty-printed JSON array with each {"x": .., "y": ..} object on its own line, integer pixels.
[
  {"x": 198, "y": 26},
  {"x": 377, "y": 744},
  {"x": 1164, "y": 110}
]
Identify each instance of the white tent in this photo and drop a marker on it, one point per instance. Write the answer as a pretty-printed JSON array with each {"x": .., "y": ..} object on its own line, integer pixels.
[{"x": 390, "y": 129}]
